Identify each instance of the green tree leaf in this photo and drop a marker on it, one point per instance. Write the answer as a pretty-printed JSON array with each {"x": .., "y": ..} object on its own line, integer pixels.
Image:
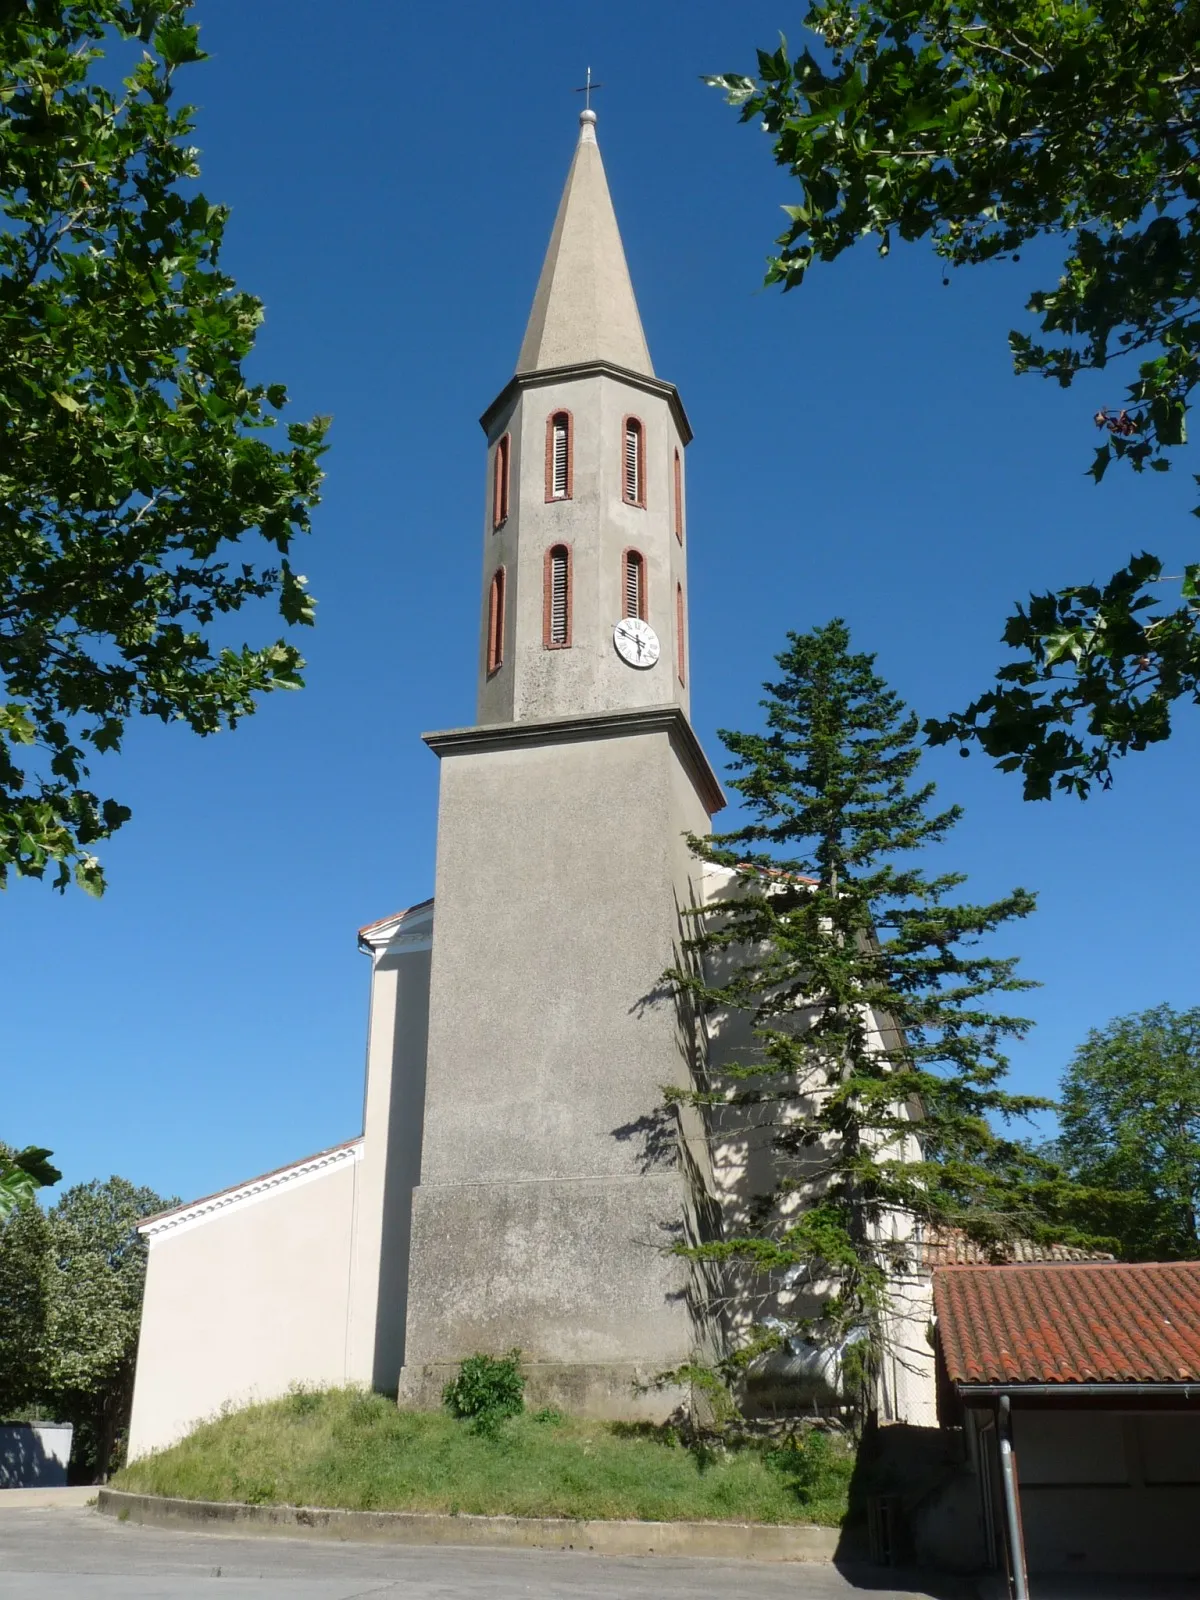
[
  {"x": 980, "y": 128},
  {"x": 874, "y": 1069},
  {"x": 136, "y": 458},
  {"x": 1130, "y": 1126}
]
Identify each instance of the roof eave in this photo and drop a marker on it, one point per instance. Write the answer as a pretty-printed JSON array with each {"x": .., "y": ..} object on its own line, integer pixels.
[
  {"x": 588, "y": 369},
  {"x": 1188, "y": 1389}
]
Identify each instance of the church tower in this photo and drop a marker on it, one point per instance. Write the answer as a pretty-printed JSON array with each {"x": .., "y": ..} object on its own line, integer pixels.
[
  {"x": 584, "y": 523},
  {"x": 548, "y": 1198}
]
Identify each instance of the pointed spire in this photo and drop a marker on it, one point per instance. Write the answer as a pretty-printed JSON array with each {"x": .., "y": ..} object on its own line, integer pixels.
[{"x": 584, "y": 308}]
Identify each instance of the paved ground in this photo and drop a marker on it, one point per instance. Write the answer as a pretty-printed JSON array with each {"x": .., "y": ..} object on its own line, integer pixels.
[
  {"x": 40, "y": 1499},
  {"x": 72, "y": 1554}
]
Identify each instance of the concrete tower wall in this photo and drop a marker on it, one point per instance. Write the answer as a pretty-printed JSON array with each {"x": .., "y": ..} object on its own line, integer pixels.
[
  {"x": 547, "y": 1197},
  {"x": 597, "y": 527},
  {"x": 552, "y": 1185}
]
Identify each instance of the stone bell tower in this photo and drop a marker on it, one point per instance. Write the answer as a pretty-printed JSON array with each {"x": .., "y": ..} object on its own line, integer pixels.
[{"x": 546, "y": 1204}]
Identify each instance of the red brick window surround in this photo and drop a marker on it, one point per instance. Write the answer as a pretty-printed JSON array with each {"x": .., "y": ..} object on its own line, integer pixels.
[
  {"x": 633, "y": 462},
  {"x": 560, "y": 456},
  {"x": 679, "y": 635},
  {"x": 556, "y": 598},
  {"x": 633, "y": 584},
  {"x": 495, "y": 635},
  {"x": 678, "y": 497},
  {"x": 500, "y": 482}
]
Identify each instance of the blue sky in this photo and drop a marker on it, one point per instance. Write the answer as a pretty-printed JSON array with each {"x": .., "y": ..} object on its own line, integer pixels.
[{"x": 861, "y": 449}]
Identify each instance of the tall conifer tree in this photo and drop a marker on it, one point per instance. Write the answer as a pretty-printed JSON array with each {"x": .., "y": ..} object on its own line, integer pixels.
[{"x": 875, "y": 1064}]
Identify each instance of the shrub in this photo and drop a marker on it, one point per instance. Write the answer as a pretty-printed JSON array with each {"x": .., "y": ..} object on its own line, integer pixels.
[
  {"x": 808, "y": 1463},
  {"x": 486, "y": 1391},
  {"x": 302, "y": 1401}
]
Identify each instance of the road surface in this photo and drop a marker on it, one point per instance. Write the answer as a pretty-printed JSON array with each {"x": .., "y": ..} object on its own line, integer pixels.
[{"x": 72, "y": 1553}]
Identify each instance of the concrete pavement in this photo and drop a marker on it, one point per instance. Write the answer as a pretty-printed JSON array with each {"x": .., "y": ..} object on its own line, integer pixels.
[
  {"x": 75, "y": 1554},
  {"x": 45, "y": 1499}
]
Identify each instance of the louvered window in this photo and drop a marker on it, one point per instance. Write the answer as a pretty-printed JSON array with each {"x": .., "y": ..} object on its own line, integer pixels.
[
  {"x": 500, "y": 483},
  {"x": 558, "y": 597},
  {"x": 633, "y": 464},
  {"x": 558, "y": 456},
  {"x": 495, "y": 639},
  {"x": 680, "y": 652},
  {"x": 678, "y": 497},
  {"x": 634, "y": 578}
]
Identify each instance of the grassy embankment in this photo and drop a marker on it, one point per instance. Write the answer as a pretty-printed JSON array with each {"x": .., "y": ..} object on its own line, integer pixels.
[{"x": 348, "y": 1449}]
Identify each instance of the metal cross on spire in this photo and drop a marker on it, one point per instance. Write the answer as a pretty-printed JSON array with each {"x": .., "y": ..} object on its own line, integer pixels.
[{"x": 586, "y": 89}]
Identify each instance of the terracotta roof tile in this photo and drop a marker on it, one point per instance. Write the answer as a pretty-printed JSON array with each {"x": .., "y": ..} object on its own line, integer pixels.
[
  {"x": 379, "y": 921},
  {"x": 1094, "y": 1322},
  {"x": 950, "y": 1247}
]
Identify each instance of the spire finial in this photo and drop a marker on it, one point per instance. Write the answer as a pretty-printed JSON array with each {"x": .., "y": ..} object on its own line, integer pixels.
[{"x": 587, "y": 115}]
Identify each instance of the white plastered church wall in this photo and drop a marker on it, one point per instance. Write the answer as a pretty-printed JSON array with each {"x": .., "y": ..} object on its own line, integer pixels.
[
  {"x": 298, "y": 1277},
  {"x": 393, "y": 1110},
  {"x": 246, "y": 1294}
]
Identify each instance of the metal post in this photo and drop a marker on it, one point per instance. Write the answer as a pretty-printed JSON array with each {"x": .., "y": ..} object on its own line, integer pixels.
[{"x": 1012, "y": 1503}]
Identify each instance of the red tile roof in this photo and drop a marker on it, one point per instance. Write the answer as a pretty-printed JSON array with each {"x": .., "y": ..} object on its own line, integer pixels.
[
  {"x": 950, "y": 1247},
  {"x": 1099, "y": 1322},
  {"x": 379, "y": 922}
]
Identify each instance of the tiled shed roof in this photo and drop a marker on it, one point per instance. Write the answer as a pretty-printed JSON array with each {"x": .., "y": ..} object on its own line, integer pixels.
[
  {"x": 951, "y": 1248},
  {"x": 1094, "y": 1322}
]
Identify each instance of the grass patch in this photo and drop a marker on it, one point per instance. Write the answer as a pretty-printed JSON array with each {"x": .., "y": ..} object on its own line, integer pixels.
[{"x": 344, "y": 1448}]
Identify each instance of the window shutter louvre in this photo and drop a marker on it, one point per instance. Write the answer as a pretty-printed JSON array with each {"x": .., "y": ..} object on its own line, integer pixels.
[
  {"x": 633, "y": 462},
  {"x": 558, "y": 595},
  {"x": 559, "y": 468},
  {"x": 634, "y": 597}
]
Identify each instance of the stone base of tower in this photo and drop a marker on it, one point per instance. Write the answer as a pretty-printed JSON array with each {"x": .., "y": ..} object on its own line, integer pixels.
[
  {"x": 572, "y": 1272},
  {"x": 610, "y": 1392}
]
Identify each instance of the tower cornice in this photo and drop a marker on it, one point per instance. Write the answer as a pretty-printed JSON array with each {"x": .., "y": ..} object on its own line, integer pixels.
[
  {"x": 589, "y": 369},
  {"x": 593, "y": 725}
]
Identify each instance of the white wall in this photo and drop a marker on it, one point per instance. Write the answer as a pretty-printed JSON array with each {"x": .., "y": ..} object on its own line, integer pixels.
[
  {"x": 246, "y": 1295},
  {"x": 392, "y": 1118}
]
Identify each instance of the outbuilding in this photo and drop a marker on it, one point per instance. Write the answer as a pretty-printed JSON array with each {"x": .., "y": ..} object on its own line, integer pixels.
[{"x": 1078, "y": 1388}]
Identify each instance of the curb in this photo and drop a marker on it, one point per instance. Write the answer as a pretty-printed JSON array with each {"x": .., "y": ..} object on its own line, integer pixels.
[{"x": 750, "y": 1541}]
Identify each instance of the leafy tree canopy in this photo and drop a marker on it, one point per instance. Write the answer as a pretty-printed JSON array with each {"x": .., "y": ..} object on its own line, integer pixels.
[
  {"x": 96, "y": 1309},
  {"x": 978, "y": 128},
  {"x": 1130, "y": 1124},
  {"x": 135, "y": 456},
  {"x": 22, "y": 1172},
  {"x": 875, "y": 1067},
  {"x": 71, "y": 1282},
  {"x": 26, "y": 1268}
]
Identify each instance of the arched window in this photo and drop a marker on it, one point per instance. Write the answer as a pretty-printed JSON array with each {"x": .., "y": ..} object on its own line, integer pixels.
[
  {"x": 559, "y": 456},
  {"x": 678, "y": 497},
  {"x": 633, "y": 464},
  {"x": 633, "y": 584},
  {"x": 495, "y": 638},
  {"x": 556, "y": 603},
  {"x": 500, "y": 483},
  {"x": 680, "y": 653}
]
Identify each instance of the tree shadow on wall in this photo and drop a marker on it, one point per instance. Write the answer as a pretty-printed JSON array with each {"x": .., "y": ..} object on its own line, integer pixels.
[{"x": 25, "y": 1462}]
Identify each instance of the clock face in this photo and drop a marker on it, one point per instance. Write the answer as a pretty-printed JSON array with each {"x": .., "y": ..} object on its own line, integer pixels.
[{"x": 636, "y": 642}]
